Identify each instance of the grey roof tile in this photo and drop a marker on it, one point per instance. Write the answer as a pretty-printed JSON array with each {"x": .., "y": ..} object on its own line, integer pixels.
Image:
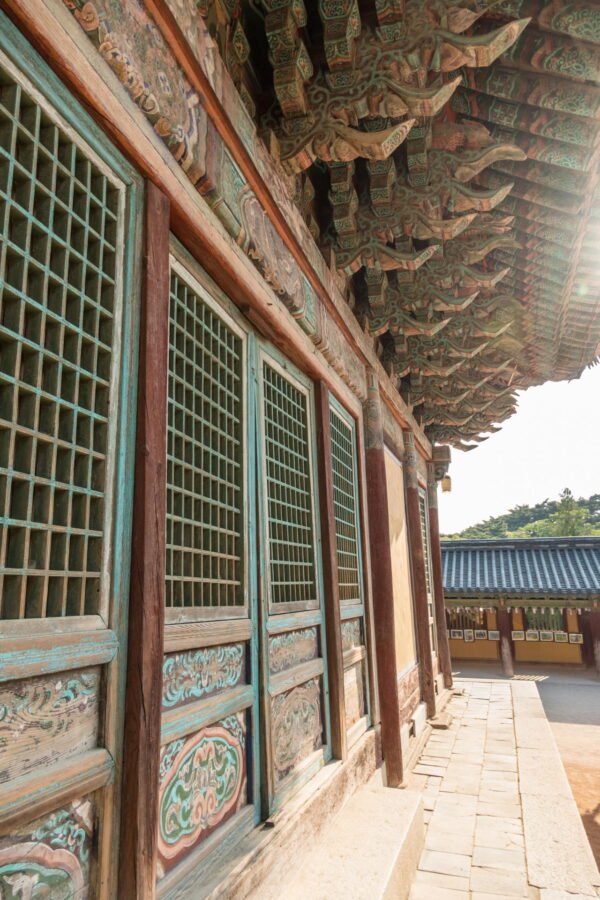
[{"x": 551, "y": 567}]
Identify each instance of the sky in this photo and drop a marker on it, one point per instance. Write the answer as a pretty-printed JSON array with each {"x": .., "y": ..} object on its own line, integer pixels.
[{"x": 552, "y": 442}]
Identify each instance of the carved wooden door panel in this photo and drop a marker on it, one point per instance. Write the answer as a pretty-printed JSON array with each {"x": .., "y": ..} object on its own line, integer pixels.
[
  {"x": 295, "y": 695},
  {"x": 344, "y": 469},
  {"x": 69, "y": 210},
  {"x": 209, "y": 768}
]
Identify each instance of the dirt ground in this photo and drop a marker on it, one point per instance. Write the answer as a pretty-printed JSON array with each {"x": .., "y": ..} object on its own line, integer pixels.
[{"x": 571, "y": 699}]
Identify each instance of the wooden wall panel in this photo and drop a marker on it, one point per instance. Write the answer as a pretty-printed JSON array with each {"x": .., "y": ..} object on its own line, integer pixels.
[
  {"x": 194, "y": 674},
  {"x": 297, "y": 728},
  {"x": 403, "y": 602},
  {"x": 51, "y": 856},
  {"x": 203, "y": 783},
  {"x": 47, "y": 719},
  {"x": 291, "y": 648}
]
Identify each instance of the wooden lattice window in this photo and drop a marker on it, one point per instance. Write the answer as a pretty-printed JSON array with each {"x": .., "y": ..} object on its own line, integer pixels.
[
  {"x": 205, "y": 472},
  {"x": 61, "y": 221},
  {"x": 289, "y": 490},
  {"x": 345, "y": 506},
  {"x": 424, "y": 521},
  {"x": 466, "y": 618},
  {"x": 545, "y": 618}
]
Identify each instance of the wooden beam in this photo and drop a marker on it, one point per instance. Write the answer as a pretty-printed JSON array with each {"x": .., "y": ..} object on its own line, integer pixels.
[
  {"x": 64, "y": 45},
  {"x": 443, "y": 648},
  {"x": 335, "y": 657},
  {"x": 383, "y": 586},
  {"x": 141, "y": 750},
  {"x": 419, "y": 582},
  {"x": 594, "y": 620},
  {"x": 504, "y": 620}
]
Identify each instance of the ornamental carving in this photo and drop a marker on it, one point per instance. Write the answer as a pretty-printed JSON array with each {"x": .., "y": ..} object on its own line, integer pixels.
[
  {"x": 195, "y": 674},
  {"x": 297, "y": 727},
  {"x": 49, "y": 857},
  {"x": 202, "y": 783},
  {"x": 292, "y": 648}
]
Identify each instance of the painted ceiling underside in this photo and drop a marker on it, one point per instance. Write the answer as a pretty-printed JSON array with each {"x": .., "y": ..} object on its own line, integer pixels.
[{"x": 444, "y": 155}]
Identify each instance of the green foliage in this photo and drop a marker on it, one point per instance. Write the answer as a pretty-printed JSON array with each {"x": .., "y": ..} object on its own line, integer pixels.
[{"x": 551, "y": 518}]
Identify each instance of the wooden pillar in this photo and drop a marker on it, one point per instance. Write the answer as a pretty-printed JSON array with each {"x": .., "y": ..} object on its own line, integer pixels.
[
  {"x": 335, "y": 656},
  {"x": 594, "y": 620},
  {"x": 419, "y": 582},
  {"x": 383, "y": 587},
  {"x": 504, "y": 620},
  {"x": 141, "y": 749},
  {"x": 443, "y": 648}
]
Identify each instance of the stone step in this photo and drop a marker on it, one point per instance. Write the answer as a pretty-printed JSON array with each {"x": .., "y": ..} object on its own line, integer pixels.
[{"x": 370, "y": 850}]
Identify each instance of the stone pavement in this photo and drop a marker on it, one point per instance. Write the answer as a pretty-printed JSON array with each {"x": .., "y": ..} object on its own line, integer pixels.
[{"x": 501, "y": 821}]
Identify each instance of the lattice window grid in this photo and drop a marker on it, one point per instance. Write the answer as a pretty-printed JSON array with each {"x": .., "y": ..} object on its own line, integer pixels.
[
  {"x": 61, "y": 215},
  {"x": 289, "y": 491},
  {"x": 545, "y": 618},
  {"x": 345, "y": 505},
  {"x": 205, "y": 480},
  {"x": 424, "y": 519}
]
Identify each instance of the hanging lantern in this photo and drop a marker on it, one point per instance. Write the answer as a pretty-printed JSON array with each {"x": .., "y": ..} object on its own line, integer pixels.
[{"x": 446, "y": 484}]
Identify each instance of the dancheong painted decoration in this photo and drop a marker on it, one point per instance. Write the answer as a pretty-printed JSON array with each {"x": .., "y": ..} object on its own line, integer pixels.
[{"x": 261, "y": 263}]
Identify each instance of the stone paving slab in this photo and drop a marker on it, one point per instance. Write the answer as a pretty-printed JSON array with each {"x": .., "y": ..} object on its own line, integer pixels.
[{"x": 500, "y": 817}]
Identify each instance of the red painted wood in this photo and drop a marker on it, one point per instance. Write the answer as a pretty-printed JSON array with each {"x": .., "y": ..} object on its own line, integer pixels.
[
  {"x": 383, "y": 611},
  {"x": 139, "y": 808},
  {"x": 594, "y": 620},
  {"x": 504, "y": 620}
]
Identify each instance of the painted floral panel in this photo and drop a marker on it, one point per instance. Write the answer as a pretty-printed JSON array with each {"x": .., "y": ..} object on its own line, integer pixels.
[
  {"x": 50, "y": 857},
  {"x": 202, "y": 784}
]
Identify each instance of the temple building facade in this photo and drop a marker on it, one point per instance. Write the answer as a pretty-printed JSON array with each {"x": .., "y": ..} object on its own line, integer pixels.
[
  {"x": 262, "y": 265},
  {"x": 526, "y": 600}
]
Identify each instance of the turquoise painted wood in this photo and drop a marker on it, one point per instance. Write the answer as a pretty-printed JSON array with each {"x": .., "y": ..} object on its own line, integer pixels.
[
  {"x": 211, "y": 583},
  {"x": 344, "y": 465},
  {"x": 295, "y": 716},
  {"x": 69, "y": 275}
]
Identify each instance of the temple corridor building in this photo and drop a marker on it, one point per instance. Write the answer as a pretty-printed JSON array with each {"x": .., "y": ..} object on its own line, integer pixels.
[
  {"x": 263, "y": 263},
  {"x": 527, "y": 600}
]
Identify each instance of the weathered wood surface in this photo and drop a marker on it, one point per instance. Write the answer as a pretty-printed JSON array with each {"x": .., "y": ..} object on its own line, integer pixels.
[
  {"x": 354, "y": 693},
  {"x": 194, "y": 674},
  {"x": 206, "y": 634},
  {"x": 443, "y": 648},
  {"x": 203, "y": 783},
  {"x": 504, "y": 620},
  {"x": 36, "y": 794},
  {"x": 50, "y": 856},
  {"x": 419, "y": 582},
  {"x": 146, "y": 608},
  {"x": 40, "y": 654},
  {"x": 183, "y": 720},
  {"x": 383, "y": 587},
  {"x": 46, "y": 720},
  {"x": 335, "y": 661},
  {"x": 197, "y": 227},
  {"x": 290, "y": 648},
  {"x": 297, "y": 727}
]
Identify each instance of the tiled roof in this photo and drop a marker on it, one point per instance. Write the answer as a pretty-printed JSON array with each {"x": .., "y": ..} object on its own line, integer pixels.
[{"x": 551, "y": 567}]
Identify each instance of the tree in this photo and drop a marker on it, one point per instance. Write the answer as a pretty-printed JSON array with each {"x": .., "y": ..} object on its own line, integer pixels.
[
  {"x": 565, "y": 517},
  {"x": 570, "y": 520}
]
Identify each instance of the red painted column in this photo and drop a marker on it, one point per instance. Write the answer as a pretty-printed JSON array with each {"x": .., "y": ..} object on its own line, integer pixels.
[
  {"x": 594, "y": 619},
  {"x": 443, "y": 648},
  {"x": 383, "y": 587},
  {"x": 141, "y": 743},
  {"x": 419, "y": 582},
  {"x": 504, "y": 620}
]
